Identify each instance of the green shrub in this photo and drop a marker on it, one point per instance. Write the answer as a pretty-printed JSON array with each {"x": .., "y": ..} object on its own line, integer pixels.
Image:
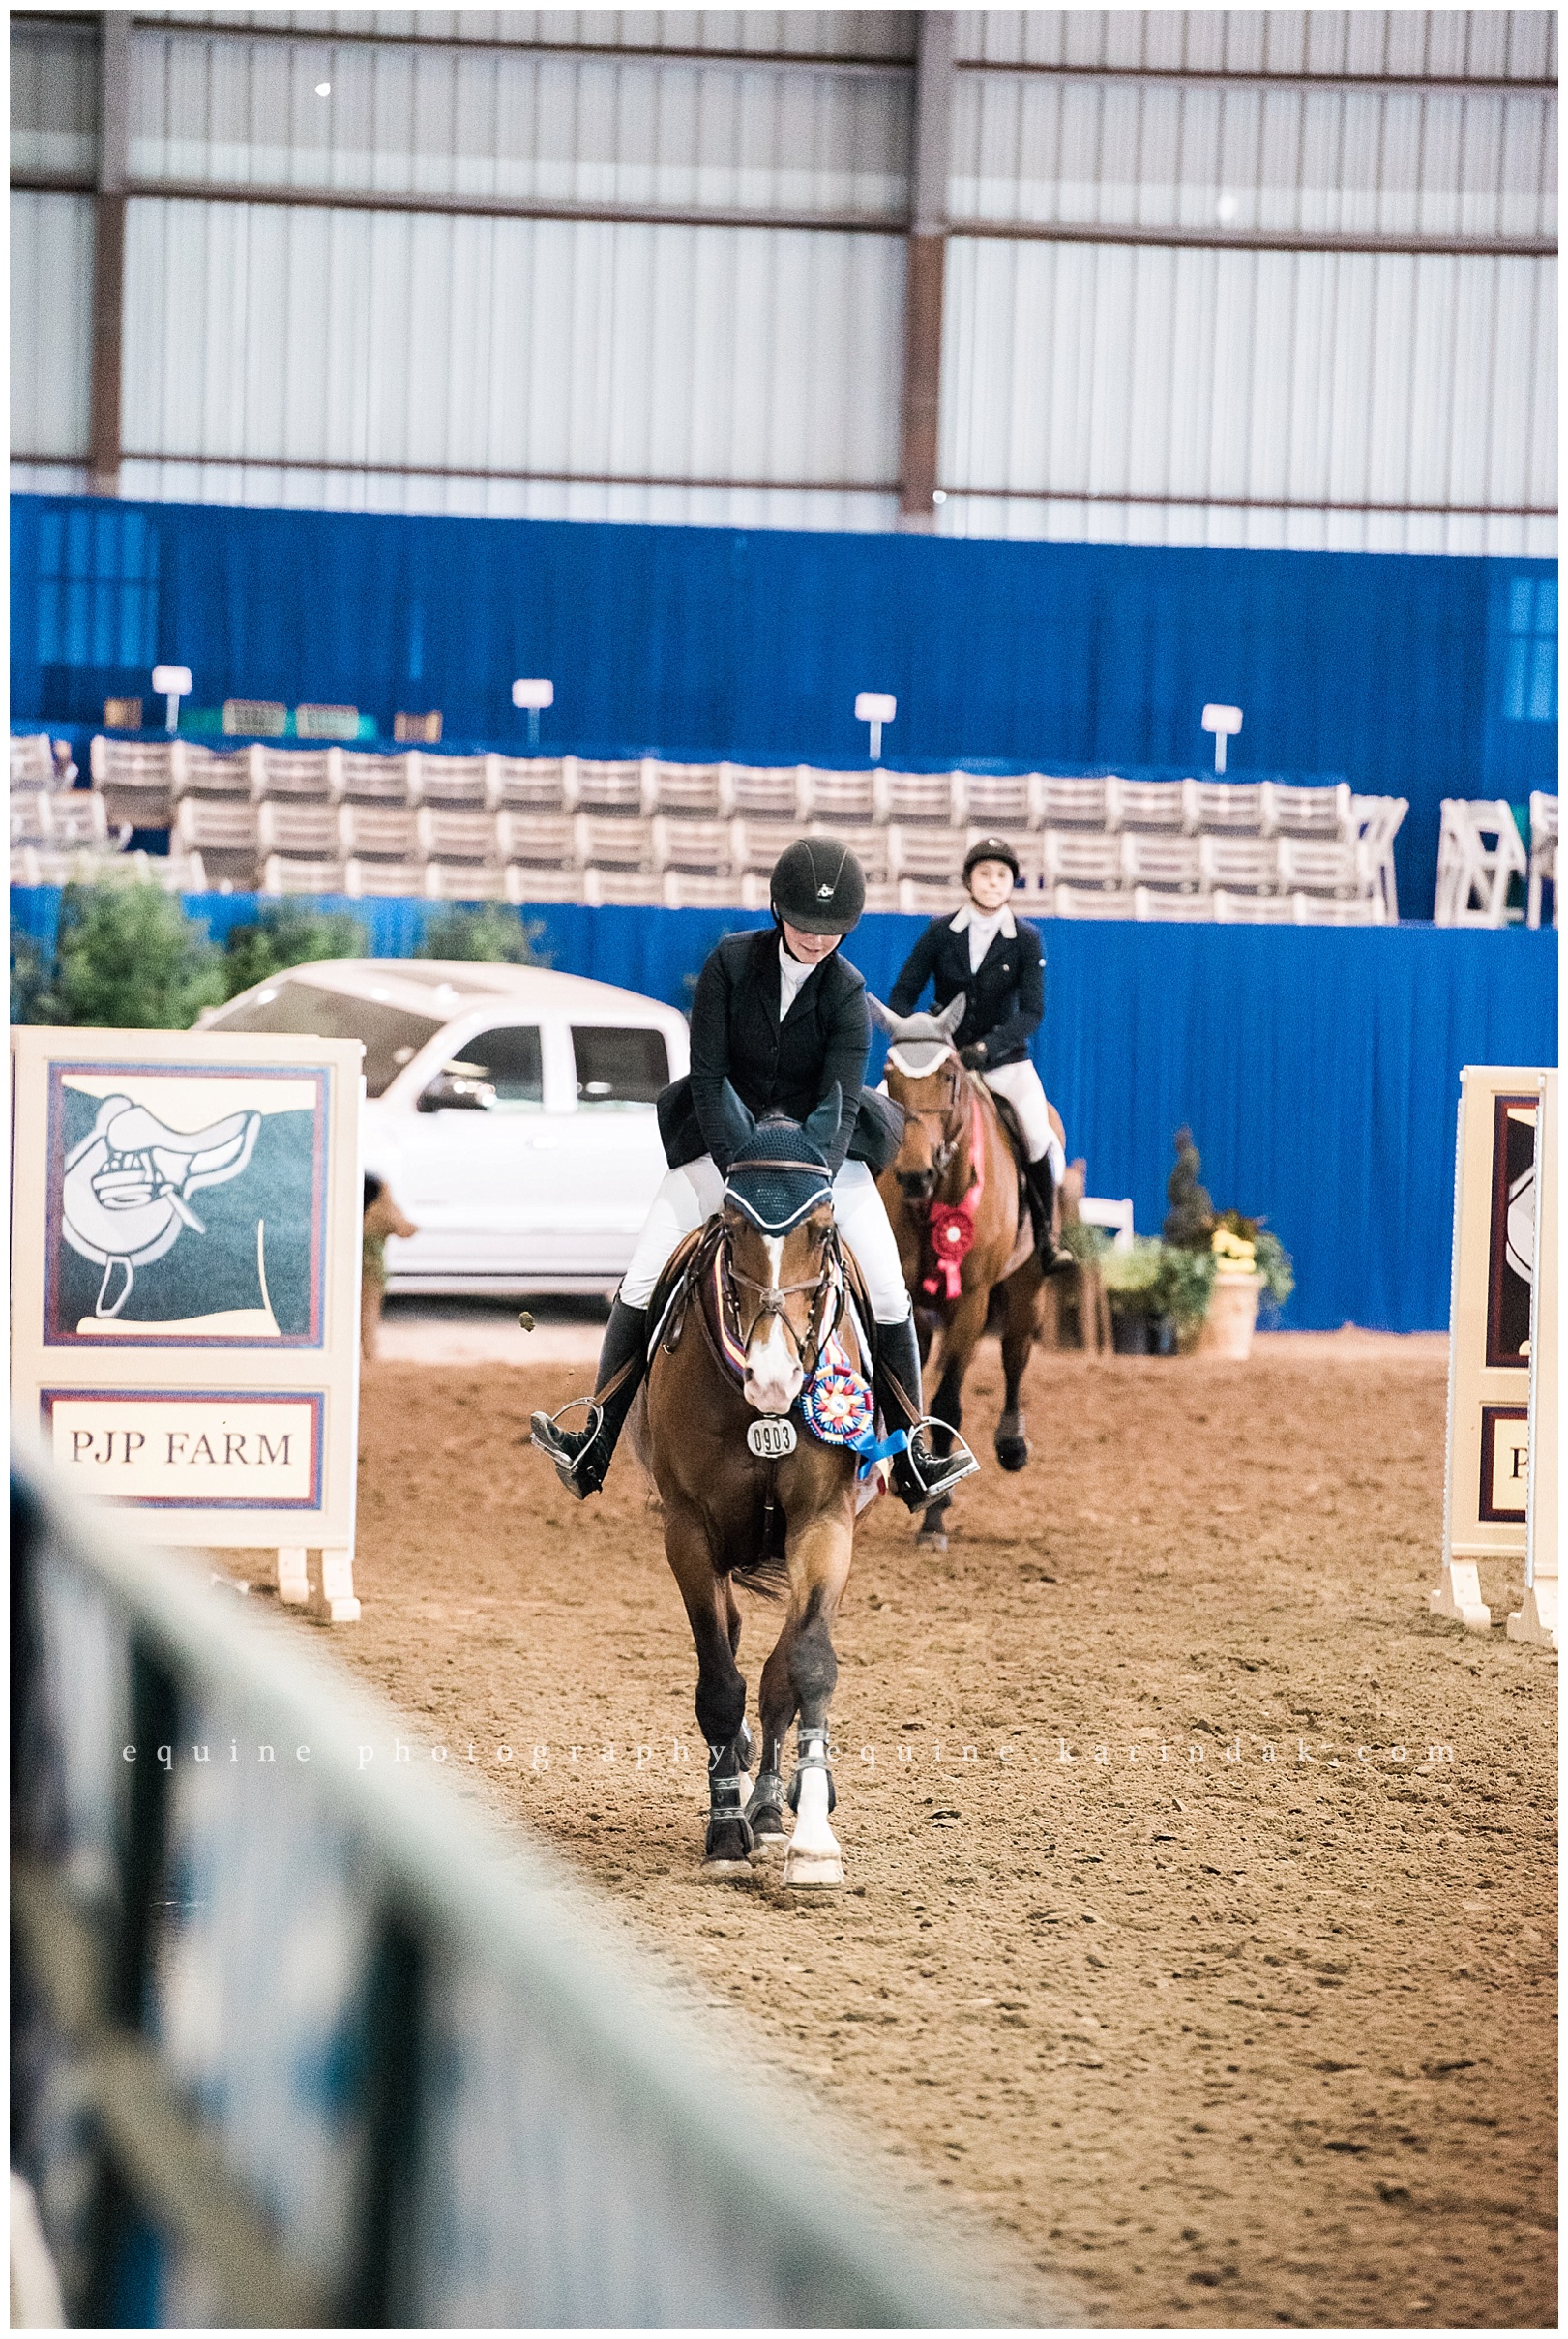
[
  {"x": 1087, "y": 1244},
  {"x": 1276, "y": 1267},
  {"x": 129, "y": 959},
  {"x": 29, "y": 981},
  {"x": 290, "y": 935},
  {"x": 1186, "y": 1282},
  {"x": 1134, "y": 1279},
  {"x": 483, "y": 931}
]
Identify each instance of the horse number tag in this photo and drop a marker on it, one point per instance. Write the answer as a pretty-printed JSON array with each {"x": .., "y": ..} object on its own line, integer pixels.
[{"x": 771, "y": 1437}]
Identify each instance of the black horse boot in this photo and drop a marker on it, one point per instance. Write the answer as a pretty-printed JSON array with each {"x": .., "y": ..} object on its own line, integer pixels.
[
  {"x": 919, "y": 1478},
  {"x": 1043, "y": 1204},
  {"x": 582, "y": 1457}
]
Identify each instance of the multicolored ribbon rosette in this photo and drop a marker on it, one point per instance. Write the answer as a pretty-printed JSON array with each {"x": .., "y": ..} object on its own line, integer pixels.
[{"x": 837, "y": 1407}]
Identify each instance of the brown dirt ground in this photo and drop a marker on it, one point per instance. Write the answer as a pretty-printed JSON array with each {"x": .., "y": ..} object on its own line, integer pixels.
[{"x": 1219, "y": 2042}]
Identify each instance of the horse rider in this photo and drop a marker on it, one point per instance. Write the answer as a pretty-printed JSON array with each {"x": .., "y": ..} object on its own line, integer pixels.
[
  {"x": 780, "y": 1015},
  {"x": 998, "y": 962}
]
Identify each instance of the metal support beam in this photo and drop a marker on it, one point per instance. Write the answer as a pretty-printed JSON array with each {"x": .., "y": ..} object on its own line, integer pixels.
[
  {"x": 108, "y": 249},
  {"x": 926, "y": 270}
]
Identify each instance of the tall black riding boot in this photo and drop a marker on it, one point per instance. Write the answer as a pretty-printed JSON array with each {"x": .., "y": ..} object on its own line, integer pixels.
[
  {"x": 1043, "y": 1202},
  {"x": 582, "y": 1457},
  {"x": 919, "y": 1478}
]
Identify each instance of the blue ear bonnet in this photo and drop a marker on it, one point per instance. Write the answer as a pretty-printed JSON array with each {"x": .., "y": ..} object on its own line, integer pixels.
[{"x": 779, "y": 1177}]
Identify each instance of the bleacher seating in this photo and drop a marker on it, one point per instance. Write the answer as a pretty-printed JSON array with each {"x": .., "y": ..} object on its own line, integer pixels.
[{"x": 570, "y": 829}]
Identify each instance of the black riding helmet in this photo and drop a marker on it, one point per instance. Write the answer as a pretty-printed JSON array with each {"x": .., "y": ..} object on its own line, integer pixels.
[
  {"x": 818, "y": 885},
  {"x": 991, "y": 849}
]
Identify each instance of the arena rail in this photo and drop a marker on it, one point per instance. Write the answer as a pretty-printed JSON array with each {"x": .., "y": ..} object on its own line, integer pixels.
[{"x": 302, "y": 2038}]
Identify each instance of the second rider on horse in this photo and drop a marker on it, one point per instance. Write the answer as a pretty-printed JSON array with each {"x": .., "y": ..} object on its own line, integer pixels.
[
  {"x": 998, "y": 962},
  {"x": 780, "y": 1015}
]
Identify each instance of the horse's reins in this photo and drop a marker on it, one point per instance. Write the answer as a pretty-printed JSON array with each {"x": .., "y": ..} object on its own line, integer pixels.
[{"x": 950, "y": 1117}]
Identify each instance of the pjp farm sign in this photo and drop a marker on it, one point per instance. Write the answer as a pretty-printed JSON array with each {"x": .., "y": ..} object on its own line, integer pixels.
[{"x": 186, "y": 1260}]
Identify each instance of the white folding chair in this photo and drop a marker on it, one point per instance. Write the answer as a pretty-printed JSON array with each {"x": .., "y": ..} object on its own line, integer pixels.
[
  {"x": 225, "y": 834},
  {"x": 692, "y": 792},
  {"x": 1169, "y": 864},
  {"x": 1310, "y": 811},
  {"x": 1543, "y": 856},
  {"x": 1331, "y": 866},
  {"x": 538, "y": 842},
  {"x": 1082, "y": 859},
  {"x": 389, "y": 780},
  {"x": 1000, "y": 803},
  {"x": 1157, "y": 804},
  {"x": 137, "y": 778},
  {"x": 297, "y": 831},
  {"x": 604, "y": 841},
  {"x": 1151, "y": 904},
  {"x": 32, "y": 761},
  {"x": 1240, "y": 865},
  {"x": 835, "y": 800},
  {"x": 699, "y": 848},
  {"x": 1058, "y": 803},
  {"x": 458, "y": 833},
  {"x": 1079, "y": 901},
  {"x": 531, "y": 784},
  {"x": 301, "y": 874},
  {"x": 385, "y": 880},
  {"x": 1252, "y": 909},
  {"x": 466, "y": 881},
  {"x": 631, "y": 888},
  {"x": 454, "y": 783},
  {"x": 1321, "y": 909},
  {"x": 925, "y": 799},
  {"x": 769, "y": 791},
  {"x": 617, "y": 787},
  {"x": 1233, "y": 808},
  {"x": 693, "y": 889},
  {"x": 1479, "y": 851},
  {"x": 379, "y": 832},
  {"x": 1378, "y": 820},
  {"x": 927, "y": 856},
  {"x": 524, "y": 884},
  {"x": 305, "y": 775}
]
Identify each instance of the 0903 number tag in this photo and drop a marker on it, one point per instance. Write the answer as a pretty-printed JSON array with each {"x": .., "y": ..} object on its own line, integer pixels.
[{"x": 771, "y": 1437}]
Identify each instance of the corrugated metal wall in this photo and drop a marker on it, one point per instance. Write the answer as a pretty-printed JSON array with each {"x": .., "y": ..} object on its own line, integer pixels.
[
  {"x": 625, "y": 132},
  {"x": 51, "y": 295},
  {"x": 1158, "y": 395},
  {"x": 1141, "y": 343},
  {"x": 584, "y": 349}
]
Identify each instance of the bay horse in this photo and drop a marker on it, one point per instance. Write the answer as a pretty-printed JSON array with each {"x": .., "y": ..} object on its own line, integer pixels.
[
  {"x": 954, "y": 1189},
  {"x": 753, "y": 1308}
]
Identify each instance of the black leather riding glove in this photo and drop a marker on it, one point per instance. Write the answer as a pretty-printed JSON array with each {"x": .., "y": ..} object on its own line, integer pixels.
[{"x": 973, "y": 1057}]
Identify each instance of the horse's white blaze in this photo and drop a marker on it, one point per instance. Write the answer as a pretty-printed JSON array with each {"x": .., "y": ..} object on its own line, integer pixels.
[
  {"x": 814, "y": 1855},
  {"x": 773, "y": 1373}
]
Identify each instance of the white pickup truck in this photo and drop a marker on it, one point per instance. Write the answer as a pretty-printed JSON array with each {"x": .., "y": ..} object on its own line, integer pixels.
[{"x": 510, "y": 1109}]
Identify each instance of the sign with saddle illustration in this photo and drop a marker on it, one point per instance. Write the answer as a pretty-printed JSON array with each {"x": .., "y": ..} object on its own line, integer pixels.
[
  {"x": 186, "y": 1260},
  {"x": 1504, "y": 1224}
]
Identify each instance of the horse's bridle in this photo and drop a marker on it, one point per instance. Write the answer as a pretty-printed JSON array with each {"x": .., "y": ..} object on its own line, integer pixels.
[
  {"x": 827, "y": 1288},
  {"x": 950, "y": 1116}
]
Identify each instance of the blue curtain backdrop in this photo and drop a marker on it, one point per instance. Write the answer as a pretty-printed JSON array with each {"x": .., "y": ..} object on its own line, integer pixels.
[
  {"x": 1414, "y": 676},
  {"x": 1319, "y": 1069}
]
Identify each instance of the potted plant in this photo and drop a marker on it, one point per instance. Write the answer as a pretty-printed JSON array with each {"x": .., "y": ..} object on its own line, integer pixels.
[
  {"x": 1248, "y": 1262},
  {"x": 1135, "y": 1286}
]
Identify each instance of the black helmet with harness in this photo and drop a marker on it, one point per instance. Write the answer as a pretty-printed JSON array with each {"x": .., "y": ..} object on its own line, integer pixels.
[
  {"x": 991, "y": 849},
  {"x": 818, "y": 886}
]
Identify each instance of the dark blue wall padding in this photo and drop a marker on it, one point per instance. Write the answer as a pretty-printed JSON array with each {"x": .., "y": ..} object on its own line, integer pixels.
[
  {"x": 1319, "y": 1069},
  {"x": 1392, "y": 669}
]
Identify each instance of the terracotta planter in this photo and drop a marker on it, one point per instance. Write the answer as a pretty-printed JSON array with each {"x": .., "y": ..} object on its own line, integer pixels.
[{"x": 1233, "y": 1317}]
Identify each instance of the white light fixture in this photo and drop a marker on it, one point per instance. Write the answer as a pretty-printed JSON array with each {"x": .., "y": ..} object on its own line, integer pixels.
[
  {"x": 1223, "y": 721},
  {"x": 533, "y": 695},
  {"x": 323, "y": 89},
  {"x": 938, "y": 495},
  {"x": 876, "y": 707},
  {"x": 172, "y": 682},
  {"x": 1226, "y": 208}
]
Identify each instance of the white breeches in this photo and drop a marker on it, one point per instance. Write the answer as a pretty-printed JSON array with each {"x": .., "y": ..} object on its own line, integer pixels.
[
  {"x": 689, "y": 1196},
  {"x": 1019, "y": 1083}
]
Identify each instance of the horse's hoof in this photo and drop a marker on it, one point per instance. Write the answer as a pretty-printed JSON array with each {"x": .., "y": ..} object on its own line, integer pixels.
[
  {"x": 769, "y": 1847},
  {"x": 924, "y": 1542},
  {"x": 1012, "y": 1451},
  {"x": 813, "y": 1872},
  {"x": 768, "y": 1831},
  {"x": 726, "y": 1872}
]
